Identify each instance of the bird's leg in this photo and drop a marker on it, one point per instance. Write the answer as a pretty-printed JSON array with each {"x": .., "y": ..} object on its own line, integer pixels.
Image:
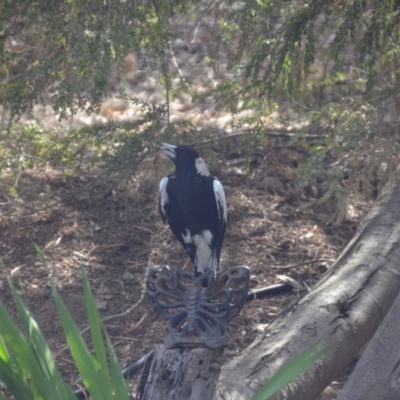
[
  {"x": 206, "y": 278},
  {"x": 211, "y": 277}
]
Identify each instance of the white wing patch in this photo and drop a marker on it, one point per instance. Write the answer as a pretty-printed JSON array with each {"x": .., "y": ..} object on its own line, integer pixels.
[
  {"x": 220, "y": 199},
  {"x": 188, "y": 237},
  {"x": 163, "y": 194}
]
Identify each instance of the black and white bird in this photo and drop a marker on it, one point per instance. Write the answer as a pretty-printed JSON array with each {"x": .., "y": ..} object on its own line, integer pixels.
[{"x": 192, "y": 202}]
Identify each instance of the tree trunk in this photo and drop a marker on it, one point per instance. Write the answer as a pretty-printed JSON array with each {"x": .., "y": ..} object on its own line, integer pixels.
[
  {"x": 181, "y": 374},
  {"x": 345, "y": 308},
  {"x": 377, "y": 374}
]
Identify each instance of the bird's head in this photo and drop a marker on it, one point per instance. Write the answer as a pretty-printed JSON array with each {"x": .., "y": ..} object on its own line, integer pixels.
[{"x": 184, "y": 157}]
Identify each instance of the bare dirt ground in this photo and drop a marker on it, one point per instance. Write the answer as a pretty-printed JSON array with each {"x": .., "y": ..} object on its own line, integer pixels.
[{"x": 115, "y": 232}]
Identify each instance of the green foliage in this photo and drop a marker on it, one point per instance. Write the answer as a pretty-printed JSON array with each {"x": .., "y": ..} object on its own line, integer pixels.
[
  {"x": 117, "y": 145},
  {"x": 280, "y": 54},
  {"x": 71, "y": 47},
  {"x": 335, "y": 62},
  {"x": 94, "y": 369},
  {"x": 27, "y": 367}
]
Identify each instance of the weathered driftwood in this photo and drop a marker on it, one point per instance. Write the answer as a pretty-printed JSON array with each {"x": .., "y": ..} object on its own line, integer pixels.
[
  {"x": 345, "y": 308},
  {"x": 181, "y": 374},
  {"x": 377, "y": 374}
]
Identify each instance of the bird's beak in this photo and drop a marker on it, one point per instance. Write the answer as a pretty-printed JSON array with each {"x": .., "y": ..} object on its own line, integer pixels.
[{"x": 167, "y": 149}]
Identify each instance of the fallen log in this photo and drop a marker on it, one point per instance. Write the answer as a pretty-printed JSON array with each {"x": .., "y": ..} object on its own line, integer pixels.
[
  {"x": 377, "y": 373},
  {"x": 344, "y": 308}
]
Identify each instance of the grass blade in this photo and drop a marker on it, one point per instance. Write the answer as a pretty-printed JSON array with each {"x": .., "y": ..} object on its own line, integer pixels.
[
  {"x": 97, "y": 338},
  {"x": 86, "y": 365},
  {"x": 22, "y": 352},
  {"x": 4, "y": 354},
  {"x": 119, "y": 382},
  {"x": 14, "y": 382},
  {"x": 51, "y": 376}
]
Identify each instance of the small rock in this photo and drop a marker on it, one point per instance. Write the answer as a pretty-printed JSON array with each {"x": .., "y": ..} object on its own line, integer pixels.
[
  {"x": 128, "y": 276},
  {"x": 308, "y": 235},
  {"x": 261, "y": 327},
  {"x": 314, "y": 189},
  {"x": 351, "y": 213},
  {"x": 285, "y": 244},
  {"x": 100, "y": 304},
  {"x": 273, "y": 207},
  {"x": 271, "y": 182}
]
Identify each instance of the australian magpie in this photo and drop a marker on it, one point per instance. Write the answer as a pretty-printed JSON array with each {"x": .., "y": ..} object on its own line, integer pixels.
[{"x": 192, "y": 202}]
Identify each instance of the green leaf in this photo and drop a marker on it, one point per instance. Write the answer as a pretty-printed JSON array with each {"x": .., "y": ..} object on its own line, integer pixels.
[
  {"x": 95, "y": 330},
  {"x": 27, "y": 367},
  {"x": 4, "y": 355},
  {"x": 22, "y": 352},
  {"x": 86, "y": 365},
  {"x": 37, "y": 345},
  {"x": 291, "y": 370},
  {"x": 2, "y": 396},
  {"x": 50, "y": 379},
  {"x": 119, "y": 382},
  {"x": 14, "y": 382},
  {"x": 40, "y": 254}
]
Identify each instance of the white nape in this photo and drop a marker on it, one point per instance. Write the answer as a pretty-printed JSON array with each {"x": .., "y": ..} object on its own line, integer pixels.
[{"x": 201, "y": 167}]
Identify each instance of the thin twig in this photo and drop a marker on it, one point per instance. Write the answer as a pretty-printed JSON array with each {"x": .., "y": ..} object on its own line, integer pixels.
[
  {"x": 176, "y": 63},
  {"x": 104, "y": 247},
  {"x": 166, "y": 76},
  {"x": 67, "y": 361},
  {"x": 251, "y": 132},
  {"x": 124, "y": 338},
  {"x": 138, "y": 325},
  {"x": 280, "y": 249},
  {"x": 305, "y": 263},
  {"x": 215, "y": 139}
]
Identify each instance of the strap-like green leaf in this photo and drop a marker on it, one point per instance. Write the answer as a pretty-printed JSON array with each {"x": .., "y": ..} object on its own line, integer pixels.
[
  {"x": 4, "y": 355},
  {"x": 85, "y": 363},
  {"x": 22, "y": 352},
  {"x": 14, "y": 382},
  {"x": 98, "y": 343},
  {"x": 55, "y": 385},
  {"x": 119, "y": 383}
]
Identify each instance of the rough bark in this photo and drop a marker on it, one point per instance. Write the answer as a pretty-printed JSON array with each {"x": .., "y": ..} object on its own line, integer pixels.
[
  {"x": 181, "y": 374},
  {"x": 345, "y": 308},
  {"x": 377, "y": 374}
]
